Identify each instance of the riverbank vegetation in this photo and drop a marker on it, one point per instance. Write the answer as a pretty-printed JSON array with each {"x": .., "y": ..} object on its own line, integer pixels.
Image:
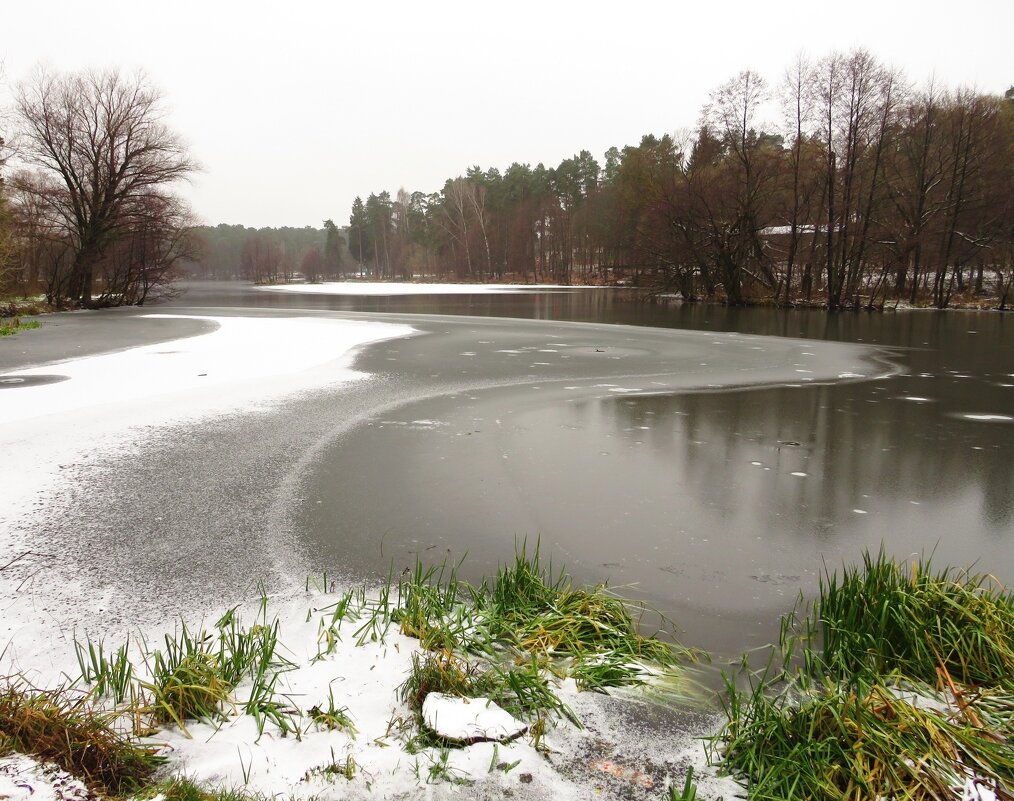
[
  {"x": 520, "y": 639},
  {"x": 11, "y": 325},
  {"x": 898, "y": 682},
  {"x": 839, "y": 185},
  {"x": 867, "y": 189},
  {"x": 895, "y": 682}
]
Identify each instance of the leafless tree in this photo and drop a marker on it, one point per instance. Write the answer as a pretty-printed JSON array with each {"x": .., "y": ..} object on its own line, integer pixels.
[{"x": 104, "y": 136}]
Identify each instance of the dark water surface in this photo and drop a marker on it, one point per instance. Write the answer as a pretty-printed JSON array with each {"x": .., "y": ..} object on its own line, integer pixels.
[{"x": 718, "y": 507}]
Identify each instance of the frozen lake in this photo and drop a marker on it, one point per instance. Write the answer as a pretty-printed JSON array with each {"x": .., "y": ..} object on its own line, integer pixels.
[{"x": 708, "y": 460}]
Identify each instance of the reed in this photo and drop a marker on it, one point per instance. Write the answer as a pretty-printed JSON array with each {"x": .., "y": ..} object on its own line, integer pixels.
[
  {"x": 108, "y": 675},
  {"x": 896, "y": 682},
  {"x": 883, "y": 617}
]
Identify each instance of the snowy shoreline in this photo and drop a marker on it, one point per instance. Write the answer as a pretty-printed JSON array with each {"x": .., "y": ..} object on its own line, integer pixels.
[
  {"x": 363, "y": 675},
  {"x": 105, "y": 407},
  {"x": 247, "y": 364}
]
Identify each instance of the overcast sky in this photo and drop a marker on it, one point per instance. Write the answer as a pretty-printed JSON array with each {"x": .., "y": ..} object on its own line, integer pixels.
[{"x": 294, "y": 108}]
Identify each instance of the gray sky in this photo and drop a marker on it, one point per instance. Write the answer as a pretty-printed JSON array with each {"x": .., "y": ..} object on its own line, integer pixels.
[{"x": 294, "y": 108}]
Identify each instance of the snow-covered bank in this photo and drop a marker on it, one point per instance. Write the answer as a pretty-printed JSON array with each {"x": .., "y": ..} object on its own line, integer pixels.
[
  {"x": 109, "y": 405},
  {"x": 99, "y": 402},
  {"x": 247, "y": 359},
  {"x": 621, "y": 750},
  {"x": 394, "y": 288}
]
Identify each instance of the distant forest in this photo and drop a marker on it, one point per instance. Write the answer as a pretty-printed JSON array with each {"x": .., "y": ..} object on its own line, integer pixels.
[
  {"x": 269, "y": 255},
  {"x": 839, "y": 185},
  {"x": 865, "y": 191}
]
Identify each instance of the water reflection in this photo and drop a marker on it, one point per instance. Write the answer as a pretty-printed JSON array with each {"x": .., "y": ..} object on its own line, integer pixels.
[
  {"x": 847, "y": 447},
  {"x": 718, "y": 507}
]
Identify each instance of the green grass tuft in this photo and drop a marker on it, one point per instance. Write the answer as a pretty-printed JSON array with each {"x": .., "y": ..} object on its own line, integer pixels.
[
  {"x": 108, "y": 675},
  {"x": 529, "y": 611},
  {"x": 9, "y": 327},
  {"x": 184, "y": 789},
  {"x": 539, "y": 612},
  {"x": 885, "y": 617},
  {"x": 689, "y": 792},
  {"x": 897, "y": 682},
  {"x": 332, "y": 716}
]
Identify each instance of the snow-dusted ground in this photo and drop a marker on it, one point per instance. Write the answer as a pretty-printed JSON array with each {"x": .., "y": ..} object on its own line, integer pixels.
[
  {"x": 617, "y": 753},
  {"x": 102, "y": 404},
  {"x": 107, "y": 405},
  {"x": 393, "y": 288},
  {"x": 245, "y": 364},
  {"x": 23, "y": 778}
]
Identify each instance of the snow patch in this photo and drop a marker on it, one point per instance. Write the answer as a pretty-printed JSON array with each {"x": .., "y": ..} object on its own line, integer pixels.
[
  {"x": 247, "y": 363},
  {"x": 22, "y": 777},
  {"x": 469, "y": 719}
]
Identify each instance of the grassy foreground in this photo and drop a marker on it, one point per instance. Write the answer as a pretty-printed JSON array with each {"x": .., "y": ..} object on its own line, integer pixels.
[
  {"x": 897, "y": 682},
  {"x": 512, "y": 639}
]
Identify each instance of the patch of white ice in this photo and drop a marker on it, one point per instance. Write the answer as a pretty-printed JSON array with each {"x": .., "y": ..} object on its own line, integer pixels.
[{"x": 246, "y": 364}]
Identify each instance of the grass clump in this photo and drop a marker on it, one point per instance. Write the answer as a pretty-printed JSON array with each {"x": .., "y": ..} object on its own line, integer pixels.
[
  {"x": 194, "y": 676},
  {"x": 13, "y": 325},
  {"x": 896, "y": 683},
  {"x": 537, "y": 612},
  {"x": 884, "y": 617},
  {"x": 689, "y": 791},
  {"x": 838, "y": 742},
  {"x": 528, "y": 612},
  {"x": 334, "y": 769},
  {"x": 431, "y": 607},
  {"x": 59, "y": 726},
  {"x": 184, "y": 789},
  {"x": 332, "y": 716},
  {"x": 187, "y": 680},
  {"x": 506, "y": 639},
  {"x": 109, "y": 675}
]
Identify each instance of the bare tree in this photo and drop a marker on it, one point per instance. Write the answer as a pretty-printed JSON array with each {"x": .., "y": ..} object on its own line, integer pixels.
[
  {"x": 104, "y": 136},
  {"x": 312, "y": 265},
  {"x": 44, "y": 251},
  {"x": 858, "y": 99},
  {"x": 142, "y": 264},
  {"x": 457, "y": 208}
]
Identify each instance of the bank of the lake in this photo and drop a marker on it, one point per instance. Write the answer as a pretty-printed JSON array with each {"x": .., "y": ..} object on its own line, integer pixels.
[{"x": 712, "y": 471}]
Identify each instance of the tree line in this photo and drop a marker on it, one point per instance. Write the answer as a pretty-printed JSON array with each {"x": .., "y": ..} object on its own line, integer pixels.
[
  {"x": 840, "y": 184},
  {"x": 269, "y": 255},
  {"x": 866, "y": 190}
]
